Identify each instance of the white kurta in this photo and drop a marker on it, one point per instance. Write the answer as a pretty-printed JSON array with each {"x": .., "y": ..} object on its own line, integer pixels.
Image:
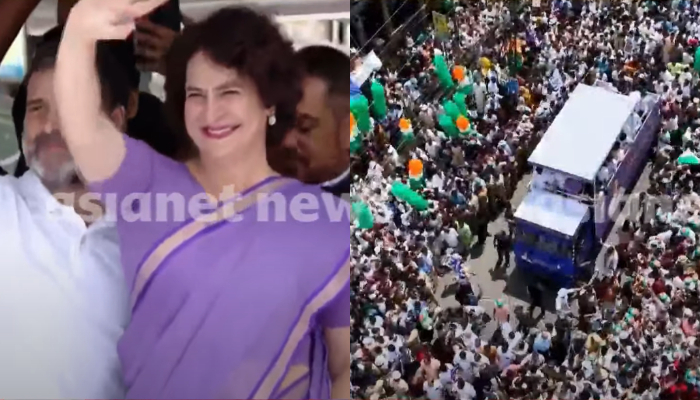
[{"x": 63, "y": 299}]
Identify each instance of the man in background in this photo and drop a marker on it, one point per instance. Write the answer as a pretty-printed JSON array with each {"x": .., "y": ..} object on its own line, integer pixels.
[
  {"x": 503, "y": 242},
  {"x": 317, "y": 151},
  {"x": 63, "y": 298},
  {"x": 144, "y": 112}
]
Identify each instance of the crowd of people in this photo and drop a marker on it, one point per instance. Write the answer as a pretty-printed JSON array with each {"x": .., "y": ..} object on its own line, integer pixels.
[
  {"x": 630, "y": 333},
  {"x": 109, "y": 292}
]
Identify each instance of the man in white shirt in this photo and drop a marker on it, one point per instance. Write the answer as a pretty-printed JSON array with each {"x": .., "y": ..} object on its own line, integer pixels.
[
  {"x": 433, "y": 390},
  {"x": 462, "y": 361},
  {"x": 480, "y": 96},
  {"x": 464, "y": 390},
  {"x": 450, "y": 236},
  {"x": 534, "y": 359},
  {"x": 63, "y": 297},
  {"x": 610, "y": 261},
  {"x": 562, "y": 301},
  {"x": 505, "y": 357},
  {"x": 608, "y": 268},
  {"x": 398, "y": 383}
]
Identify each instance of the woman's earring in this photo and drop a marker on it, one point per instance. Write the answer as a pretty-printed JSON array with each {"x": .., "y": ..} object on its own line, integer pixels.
[{"x": 271, "y": 120}]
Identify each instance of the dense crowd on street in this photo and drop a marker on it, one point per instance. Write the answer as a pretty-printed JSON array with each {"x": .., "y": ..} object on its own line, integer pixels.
[{"x": 630, "y": 332}]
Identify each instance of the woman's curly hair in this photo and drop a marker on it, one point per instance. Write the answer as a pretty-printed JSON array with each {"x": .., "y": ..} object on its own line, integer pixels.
[{"x": 248, "y": 42}]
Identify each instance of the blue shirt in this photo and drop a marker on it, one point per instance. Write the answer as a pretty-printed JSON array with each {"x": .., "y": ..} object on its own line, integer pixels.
[{"x": 541, "y": 344}]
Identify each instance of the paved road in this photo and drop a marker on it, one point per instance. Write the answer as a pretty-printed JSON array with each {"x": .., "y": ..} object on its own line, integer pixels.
[
  {"x": 509, "y": 284},
  {"x": 503, "y": 284}
]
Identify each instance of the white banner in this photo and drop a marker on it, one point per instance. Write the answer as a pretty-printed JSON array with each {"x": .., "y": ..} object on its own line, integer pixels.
[
  {"x": 556, "y": 80},
  {"x": 369, "y": 64}
]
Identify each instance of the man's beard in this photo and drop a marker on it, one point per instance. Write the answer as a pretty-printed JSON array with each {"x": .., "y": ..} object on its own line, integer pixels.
[
  {"x": 65, "y": 175},
  {"x": 56, "y": 176}
]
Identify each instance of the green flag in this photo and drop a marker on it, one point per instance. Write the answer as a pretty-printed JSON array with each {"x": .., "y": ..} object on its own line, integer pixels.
[
  {"x": 365, "y": 219},
  {"x": 359, "y": 106},
  {"x": 378, "y": 100},
  {"x": 442, "y": 72},
  {"x": 448, "y": 126},
  {"x": 460, "y": 99},
  {"x": 451, "y": 110},
  {"x": 404, "y": 193}
]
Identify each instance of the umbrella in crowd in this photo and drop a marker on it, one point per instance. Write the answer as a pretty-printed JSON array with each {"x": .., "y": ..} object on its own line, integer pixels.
[{"x": 688, "y": 158}]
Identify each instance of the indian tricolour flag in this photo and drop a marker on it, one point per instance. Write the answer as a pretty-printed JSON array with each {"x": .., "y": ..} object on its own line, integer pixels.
[
  {"x": 407, "y": 136},
  {"x": 355, "y": 137},
  {"x": 415, "y": 174},
  {"x": 416, "y": 181},
  {"x": 466, "y": 85}
]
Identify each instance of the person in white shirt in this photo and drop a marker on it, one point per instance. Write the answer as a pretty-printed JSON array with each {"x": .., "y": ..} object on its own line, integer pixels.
[
  {"x": 480, "y": 96},
  {"x": 609, "y": 266},
  {"x": 450, "y": 237},
  {"x": 513, "y": 339},
  {"x": 381, "y": 362},
  {"x": 505, "y": 357},
  {"x": 610, "y": 261},
  {"x": 461, "y": 361},
  {"x": 433, "y": 390},
  {"x": 63, "y": 298},
  {"x": 398, "y": 384},
  {"x": 534, "y": 359},
  {"x": 562, "y": 301},
  {"x": 445, "y": 375},
  {"x": 464, "y": 390}
]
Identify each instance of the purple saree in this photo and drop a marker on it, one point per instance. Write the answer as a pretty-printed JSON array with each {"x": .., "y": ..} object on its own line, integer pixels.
[{"x": 229, "y": 309}]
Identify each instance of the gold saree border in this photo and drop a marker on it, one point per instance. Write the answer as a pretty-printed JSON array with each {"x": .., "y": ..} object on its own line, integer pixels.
[
  {"x": 328, "y": 293},
  {"x": 298, "y": 390},
  {"x": 299, "y": 375},
  {"x": 190, "y": 230}
]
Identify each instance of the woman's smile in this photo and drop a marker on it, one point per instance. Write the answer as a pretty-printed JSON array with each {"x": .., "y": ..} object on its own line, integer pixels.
[{"x": 219, "y": 132}]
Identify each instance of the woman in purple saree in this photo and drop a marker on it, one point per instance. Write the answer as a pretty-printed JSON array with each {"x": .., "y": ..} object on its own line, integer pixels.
[{"x": 243, "y": 297}]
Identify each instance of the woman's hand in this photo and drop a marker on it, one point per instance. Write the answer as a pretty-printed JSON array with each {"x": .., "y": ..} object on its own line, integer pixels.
[
  {"x": 96, "y": 144},
  {"x": 93, "y": 20}
]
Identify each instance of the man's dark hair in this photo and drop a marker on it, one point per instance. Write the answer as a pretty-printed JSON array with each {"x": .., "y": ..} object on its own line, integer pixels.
[
  {"x": 328, "y": 64},
  {"x": 114, "y": 82},
  {"x": 113, "y": 79}
]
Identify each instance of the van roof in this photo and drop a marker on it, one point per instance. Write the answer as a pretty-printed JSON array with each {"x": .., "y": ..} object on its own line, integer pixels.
[
  {"x": 583, "y": 133},
  {"x": 552, "y": 211}
]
